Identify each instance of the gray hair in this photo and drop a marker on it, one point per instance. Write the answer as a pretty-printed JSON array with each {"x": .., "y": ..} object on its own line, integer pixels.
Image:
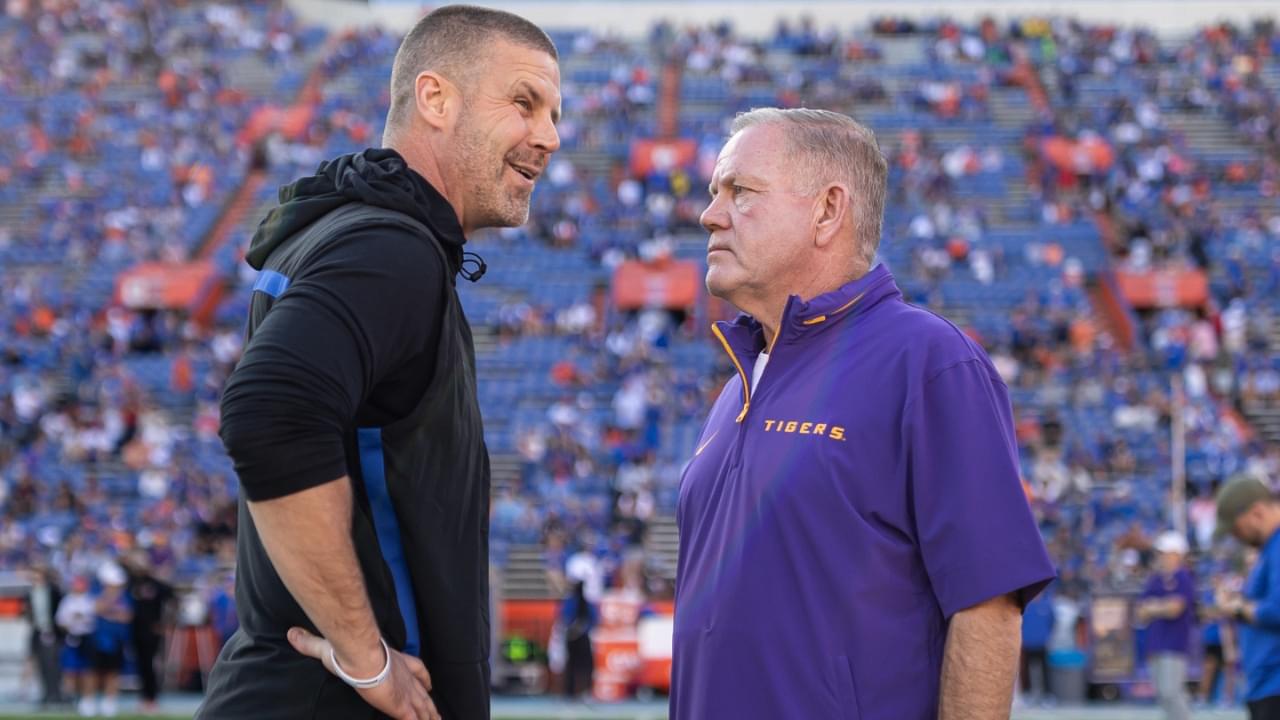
[
  {"x": 832, "y": 147},
  {"x": 453, "y": 41}
]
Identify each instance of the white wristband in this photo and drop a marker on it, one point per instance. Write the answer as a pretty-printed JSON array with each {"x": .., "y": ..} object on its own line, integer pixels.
[{"x": 357, "y": 683}]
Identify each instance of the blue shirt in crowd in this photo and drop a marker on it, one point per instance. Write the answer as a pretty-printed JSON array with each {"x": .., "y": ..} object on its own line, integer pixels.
[
  {"x": 1211, "y": 631},
  {"x": 1037, "y": 622},
  {"x": 111, "y": 636},
  {"x": 1260, "y": 641}
]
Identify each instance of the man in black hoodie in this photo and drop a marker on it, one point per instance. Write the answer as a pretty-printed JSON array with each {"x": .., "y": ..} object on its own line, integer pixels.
[{"x": 352, "y": 419}]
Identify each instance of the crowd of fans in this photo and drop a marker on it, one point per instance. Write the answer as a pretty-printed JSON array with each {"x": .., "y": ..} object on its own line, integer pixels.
[
  {"x": 122, "y": 120},
  {"x": 124, "y": 144},
  {"x": 1165, "y": 202}
]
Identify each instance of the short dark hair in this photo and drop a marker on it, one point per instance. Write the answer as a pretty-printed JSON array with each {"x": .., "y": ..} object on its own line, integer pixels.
[{"x": 452, "y": 41}]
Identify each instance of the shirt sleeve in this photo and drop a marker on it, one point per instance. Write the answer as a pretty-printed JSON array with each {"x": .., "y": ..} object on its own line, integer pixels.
[
  {"x": 975, "y": 529},
  {"x": 1152, "y": 589},
  {"x": 1267, "y": 611},
  {"x": 356, "y": 313}
]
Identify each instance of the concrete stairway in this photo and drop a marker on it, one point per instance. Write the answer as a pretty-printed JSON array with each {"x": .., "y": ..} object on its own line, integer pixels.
[
  {"x": 525, "y": 576},
  {"x": 662, "y": 544}
]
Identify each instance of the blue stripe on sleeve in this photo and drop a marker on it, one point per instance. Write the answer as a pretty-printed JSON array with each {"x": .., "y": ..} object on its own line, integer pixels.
[
  {"x": 373, "y": 468},
  {"x": 271, "y": 283}
]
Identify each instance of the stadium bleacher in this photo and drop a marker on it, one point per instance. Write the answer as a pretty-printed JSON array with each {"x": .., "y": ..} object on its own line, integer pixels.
[{"x": 114, "y": 157}]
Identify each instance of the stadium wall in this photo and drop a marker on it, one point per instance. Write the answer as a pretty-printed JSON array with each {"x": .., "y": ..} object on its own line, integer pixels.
[{"x": 634, "y": 17}]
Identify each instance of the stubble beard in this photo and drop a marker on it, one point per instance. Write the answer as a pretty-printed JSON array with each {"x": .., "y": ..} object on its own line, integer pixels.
[{"x": 492, "y": 203}]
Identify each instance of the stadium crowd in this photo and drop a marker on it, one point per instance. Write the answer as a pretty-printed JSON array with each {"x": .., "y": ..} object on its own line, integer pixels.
[{"x": 124, "y": 143}]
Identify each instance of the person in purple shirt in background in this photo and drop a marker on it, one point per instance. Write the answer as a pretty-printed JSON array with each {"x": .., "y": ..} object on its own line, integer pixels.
[
  {"x": 854, "y": 538},
  {"x": 1168, "y": 605}
]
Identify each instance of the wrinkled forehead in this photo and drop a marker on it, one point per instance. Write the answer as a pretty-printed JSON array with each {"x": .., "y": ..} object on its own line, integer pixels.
[
  {"x": 541, "y": 71},
  {"x": 752, "y": 151},
  {"x": 508, "y": 61}
]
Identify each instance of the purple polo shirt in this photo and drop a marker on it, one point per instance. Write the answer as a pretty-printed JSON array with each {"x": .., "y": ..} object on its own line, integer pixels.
[
  {"x": 1171, "y": 635},
  {"x": 834, "y": 520}
]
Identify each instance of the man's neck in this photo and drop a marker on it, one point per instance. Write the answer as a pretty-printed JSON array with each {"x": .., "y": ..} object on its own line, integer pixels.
[
  {"x": 420, "y": 158},
  {"x": 1270, "y": 533},
  {"x": 768, "y": 312}
]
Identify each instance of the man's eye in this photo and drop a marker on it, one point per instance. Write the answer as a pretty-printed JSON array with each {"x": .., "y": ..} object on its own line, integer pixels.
[
  {"x": 524, "y": 104},
  {"x": 738, "y": 189}
]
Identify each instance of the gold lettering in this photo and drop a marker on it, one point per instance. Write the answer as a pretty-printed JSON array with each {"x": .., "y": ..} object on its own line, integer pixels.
[
  {"x": 791, "y": 426},
  {"x": 768, "y": 425},
  {"x": 820, "y": 429},
  {"x": 837, "y": 433},
  {"x": 804, "y": 429}
]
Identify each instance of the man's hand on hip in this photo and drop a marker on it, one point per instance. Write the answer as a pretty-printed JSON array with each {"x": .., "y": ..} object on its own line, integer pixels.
[
  {"x": 403, "y": 695},
  {"x": 307, "y": 537}
]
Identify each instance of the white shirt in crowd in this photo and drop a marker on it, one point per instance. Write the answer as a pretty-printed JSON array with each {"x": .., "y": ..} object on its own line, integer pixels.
[
  {"x": 584, "y": 567},
  {"x": 76, "y": 614}
]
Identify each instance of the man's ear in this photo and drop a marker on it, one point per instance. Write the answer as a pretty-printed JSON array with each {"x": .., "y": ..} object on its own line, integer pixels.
[
  {"x": 436, "y": 100},
  {"x": 831, "y": 210}
]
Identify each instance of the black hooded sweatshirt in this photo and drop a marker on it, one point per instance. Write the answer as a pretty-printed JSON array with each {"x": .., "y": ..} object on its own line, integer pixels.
[{"x": 359, "y": 362}]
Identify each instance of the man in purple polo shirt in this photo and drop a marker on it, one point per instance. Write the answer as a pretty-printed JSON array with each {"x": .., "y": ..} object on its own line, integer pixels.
[
  {"x": 1168, "y": 605},
  {"x": 854, "y": 539}
]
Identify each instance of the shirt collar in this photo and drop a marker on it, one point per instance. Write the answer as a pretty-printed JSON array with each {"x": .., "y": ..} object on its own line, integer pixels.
[
  {"x": 745, "y": 335},
  {"x": 851, "y": 297}
]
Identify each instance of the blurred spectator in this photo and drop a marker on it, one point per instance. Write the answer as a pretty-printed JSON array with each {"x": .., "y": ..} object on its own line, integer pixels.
[
  {"x": 114, "y": 612},
  {"x": 222, "y": 606},
  {"x": 585, "y": 568},
  {"x": 1037, "y": 628},
  {"x": 1168, "y": 608},
  {"x": 579, "y": 616},
  {"x": 1203, "y": 517},
  {"x": 46, "y": 636},
  {"x": 77, "y": 616},
  {"x": 1249, "y": 509},
  {"x": 150, "y": 599},
  {"x": 1221, "y": 653}
]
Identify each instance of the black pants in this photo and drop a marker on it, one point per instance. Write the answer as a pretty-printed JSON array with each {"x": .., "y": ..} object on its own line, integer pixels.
[
  {"x": 45, "y": 653},
  {"x": 146, "y": 644},
  {"x": 1040, "y": 658},
  {"x": 1268, "y": 708},
  {"x": 580, "y": 666}
]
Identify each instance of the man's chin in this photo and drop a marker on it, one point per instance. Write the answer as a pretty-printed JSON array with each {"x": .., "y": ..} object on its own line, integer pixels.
[
  {"x": 508, "y": 218},
  {"x": 516, "y": 220},
  {"x": 517, "y": 213},
  {"x": 718, "y": 287}
]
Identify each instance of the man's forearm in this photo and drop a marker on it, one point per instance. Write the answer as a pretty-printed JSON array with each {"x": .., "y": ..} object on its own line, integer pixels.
[
  {"x": 1172, "y": 608},
  {"x": 307, "y": 535},
  {"x": 981, "y": 661}
]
